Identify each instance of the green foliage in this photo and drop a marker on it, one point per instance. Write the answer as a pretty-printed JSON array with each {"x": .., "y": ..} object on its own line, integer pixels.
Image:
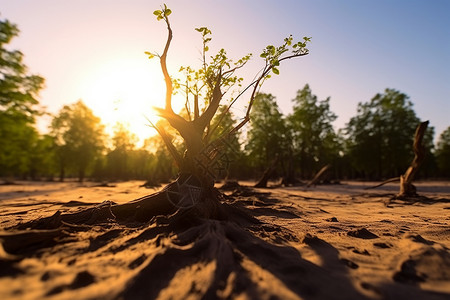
[
  {"x": 198, "y": 84},
  {"x": 443, "y": 153},
  {"x": 123, "y": 161},
  {"x": 268, "y": 136},
  {"x": 79, "y": 138},
  {"x": 273, "y": 55},
  {"x": 18, "y": 89},
  {"x": 163, "y": 13},
  {"x": 17, "y": 140},
  {"x": 18, "y": 100},
  {"x": 42, "y": 158},
  {"x": 380, "y": 136},
  {"x": 314, "y": 140}
]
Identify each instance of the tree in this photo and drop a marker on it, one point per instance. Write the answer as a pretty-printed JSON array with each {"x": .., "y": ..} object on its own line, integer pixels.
[
  {"x": 42, "y": 158},
  {"x": 118, "y": 159},
  {"x": 268, "y": 137},
  {"x": 205, "y": 89},
  {"x": 192, "y": 197},
  {"x": 18, "y": 106},
  {"x": 314, "y": 140},
  {"x": 79, "y": 138},
  {"x": 379, "y": 137},
  {"x": 443, "y": 153}
]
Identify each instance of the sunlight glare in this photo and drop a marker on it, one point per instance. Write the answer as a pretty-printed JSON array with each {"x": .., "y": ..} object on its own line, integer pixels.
[{"x": 125, "y": 91}]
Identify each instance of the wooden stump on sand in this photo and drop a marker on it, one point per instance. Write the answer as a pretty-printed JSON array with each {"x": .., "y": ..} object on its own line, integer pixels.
[{"x": 407, "y": 189}]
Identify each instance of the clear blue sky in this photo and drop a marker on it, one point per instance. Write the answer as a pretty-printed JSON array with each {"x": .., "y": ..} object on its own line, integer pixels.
[{"x": 94, "y": 50}]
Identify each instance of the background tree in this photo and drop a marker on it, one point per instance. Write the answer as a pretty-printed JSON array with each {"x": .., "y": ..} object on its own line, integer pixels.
[
  {"x": 161, "y": 167},
  {"x": 233, "y": 157},
  {"x": 313, "y": 137},
  {"x": 268, "y": 137},
  {"x": 381, "y": 134},
  {"x": 443, "y": 153},
  {"x": 18, "y": 107},
  {"x": 118, "y": 159},
  {"x": 79, "y": 138},
  {"x": 42, "y": 158}
]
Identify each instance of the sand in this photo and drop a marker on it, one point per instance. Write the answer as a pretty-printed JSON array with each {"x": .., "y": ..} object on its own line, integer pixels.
[{"x": 324, "y": 242}]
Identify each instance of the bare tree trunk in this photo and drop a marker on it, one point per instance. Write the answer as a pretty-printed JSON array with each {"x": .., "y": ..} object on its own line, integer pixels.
[
  {"x": 407, "y": 189},
  {"x": 262, "y": 182},
  {"x": 61, "y": 173},
  {"x": 318, "y": 176}
]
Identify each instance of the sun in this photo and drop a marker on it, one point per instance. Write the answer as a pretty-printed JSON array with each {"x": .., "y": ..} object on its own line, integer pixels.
[{"x": 125, "y": 90}]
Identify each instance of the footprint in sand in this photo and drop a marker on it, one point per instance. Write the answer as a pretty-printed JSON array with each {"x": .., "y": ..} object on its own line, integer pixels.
[
  {"x": 425, "y": 264},
  {"x": 362, "y": 233},
  {"x": 382, "y": 245},
  {"x": 419, "y": 239}
]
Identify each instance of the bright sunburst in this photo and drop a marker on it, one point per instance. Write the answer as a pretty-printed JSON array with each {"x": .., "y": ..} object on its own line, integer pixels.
[{"x": 125, "y": 91}]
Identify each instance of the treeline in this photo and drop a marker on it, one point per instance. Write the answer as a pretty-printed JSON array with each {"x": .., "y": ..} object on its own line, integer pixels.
[{"x": 375, "y": 144}]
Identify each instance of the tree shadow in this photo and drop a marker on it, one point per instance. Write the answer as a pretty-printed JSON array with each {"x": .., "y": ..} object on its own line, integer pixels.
[{"x": 242, "y": 261}]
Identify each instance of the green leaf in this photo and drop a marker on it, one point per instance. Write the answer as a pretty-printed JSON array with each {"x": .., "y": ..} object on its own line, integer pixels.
[
  {"x": 167, "y": 12},
  {"x": 206, "y": 48},
  {"x": 276, "y": 71},
  {"x": 157, "y": 12}
]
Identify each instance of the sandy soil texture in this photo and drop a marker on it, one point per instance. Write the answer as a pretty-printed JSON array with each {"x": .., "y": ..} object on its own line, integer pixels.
[{"x": 325, "y": 242}]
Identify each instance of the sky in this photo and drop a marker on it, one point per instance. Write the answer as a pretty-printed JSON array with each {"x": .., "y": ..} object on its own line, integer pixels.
[{"x": 94, "y": 50}]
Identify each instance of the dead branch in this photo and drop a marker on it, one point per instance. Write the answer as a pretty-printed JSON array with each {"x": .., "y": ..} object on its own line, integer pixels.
[
  {"x": 394, "y": 179},
  {"x": 262, "y": 182},
  {"x": 407, "y": 189},
  {"x": 317, "y": 177}
]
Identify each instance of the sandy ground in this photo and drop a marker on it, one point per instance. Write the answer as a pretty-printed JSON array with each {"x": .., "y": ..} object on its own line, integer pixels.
[{"x": 325, "y": 242}]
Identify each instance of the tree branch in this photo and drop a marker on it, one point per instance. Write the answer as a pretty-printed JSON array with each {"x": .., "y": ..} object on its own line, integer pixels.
[
  {"x": 210, "y": 111},
  {"x": 196, "y": 109},
  {"x": 252, "y": 97},
  {"x": 168, "y": 80}
]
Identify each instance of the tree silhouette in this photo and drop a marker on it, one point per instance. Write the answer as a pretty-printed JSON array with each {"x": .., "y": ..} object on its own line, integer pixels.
[
  {"x": 268, "y": 137},
  {"x": 314, "y": 140},
  {"x": 79, "y": 137},
  {"x": 381, "y": 134},
  {"x": 119, "y": 158}
]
